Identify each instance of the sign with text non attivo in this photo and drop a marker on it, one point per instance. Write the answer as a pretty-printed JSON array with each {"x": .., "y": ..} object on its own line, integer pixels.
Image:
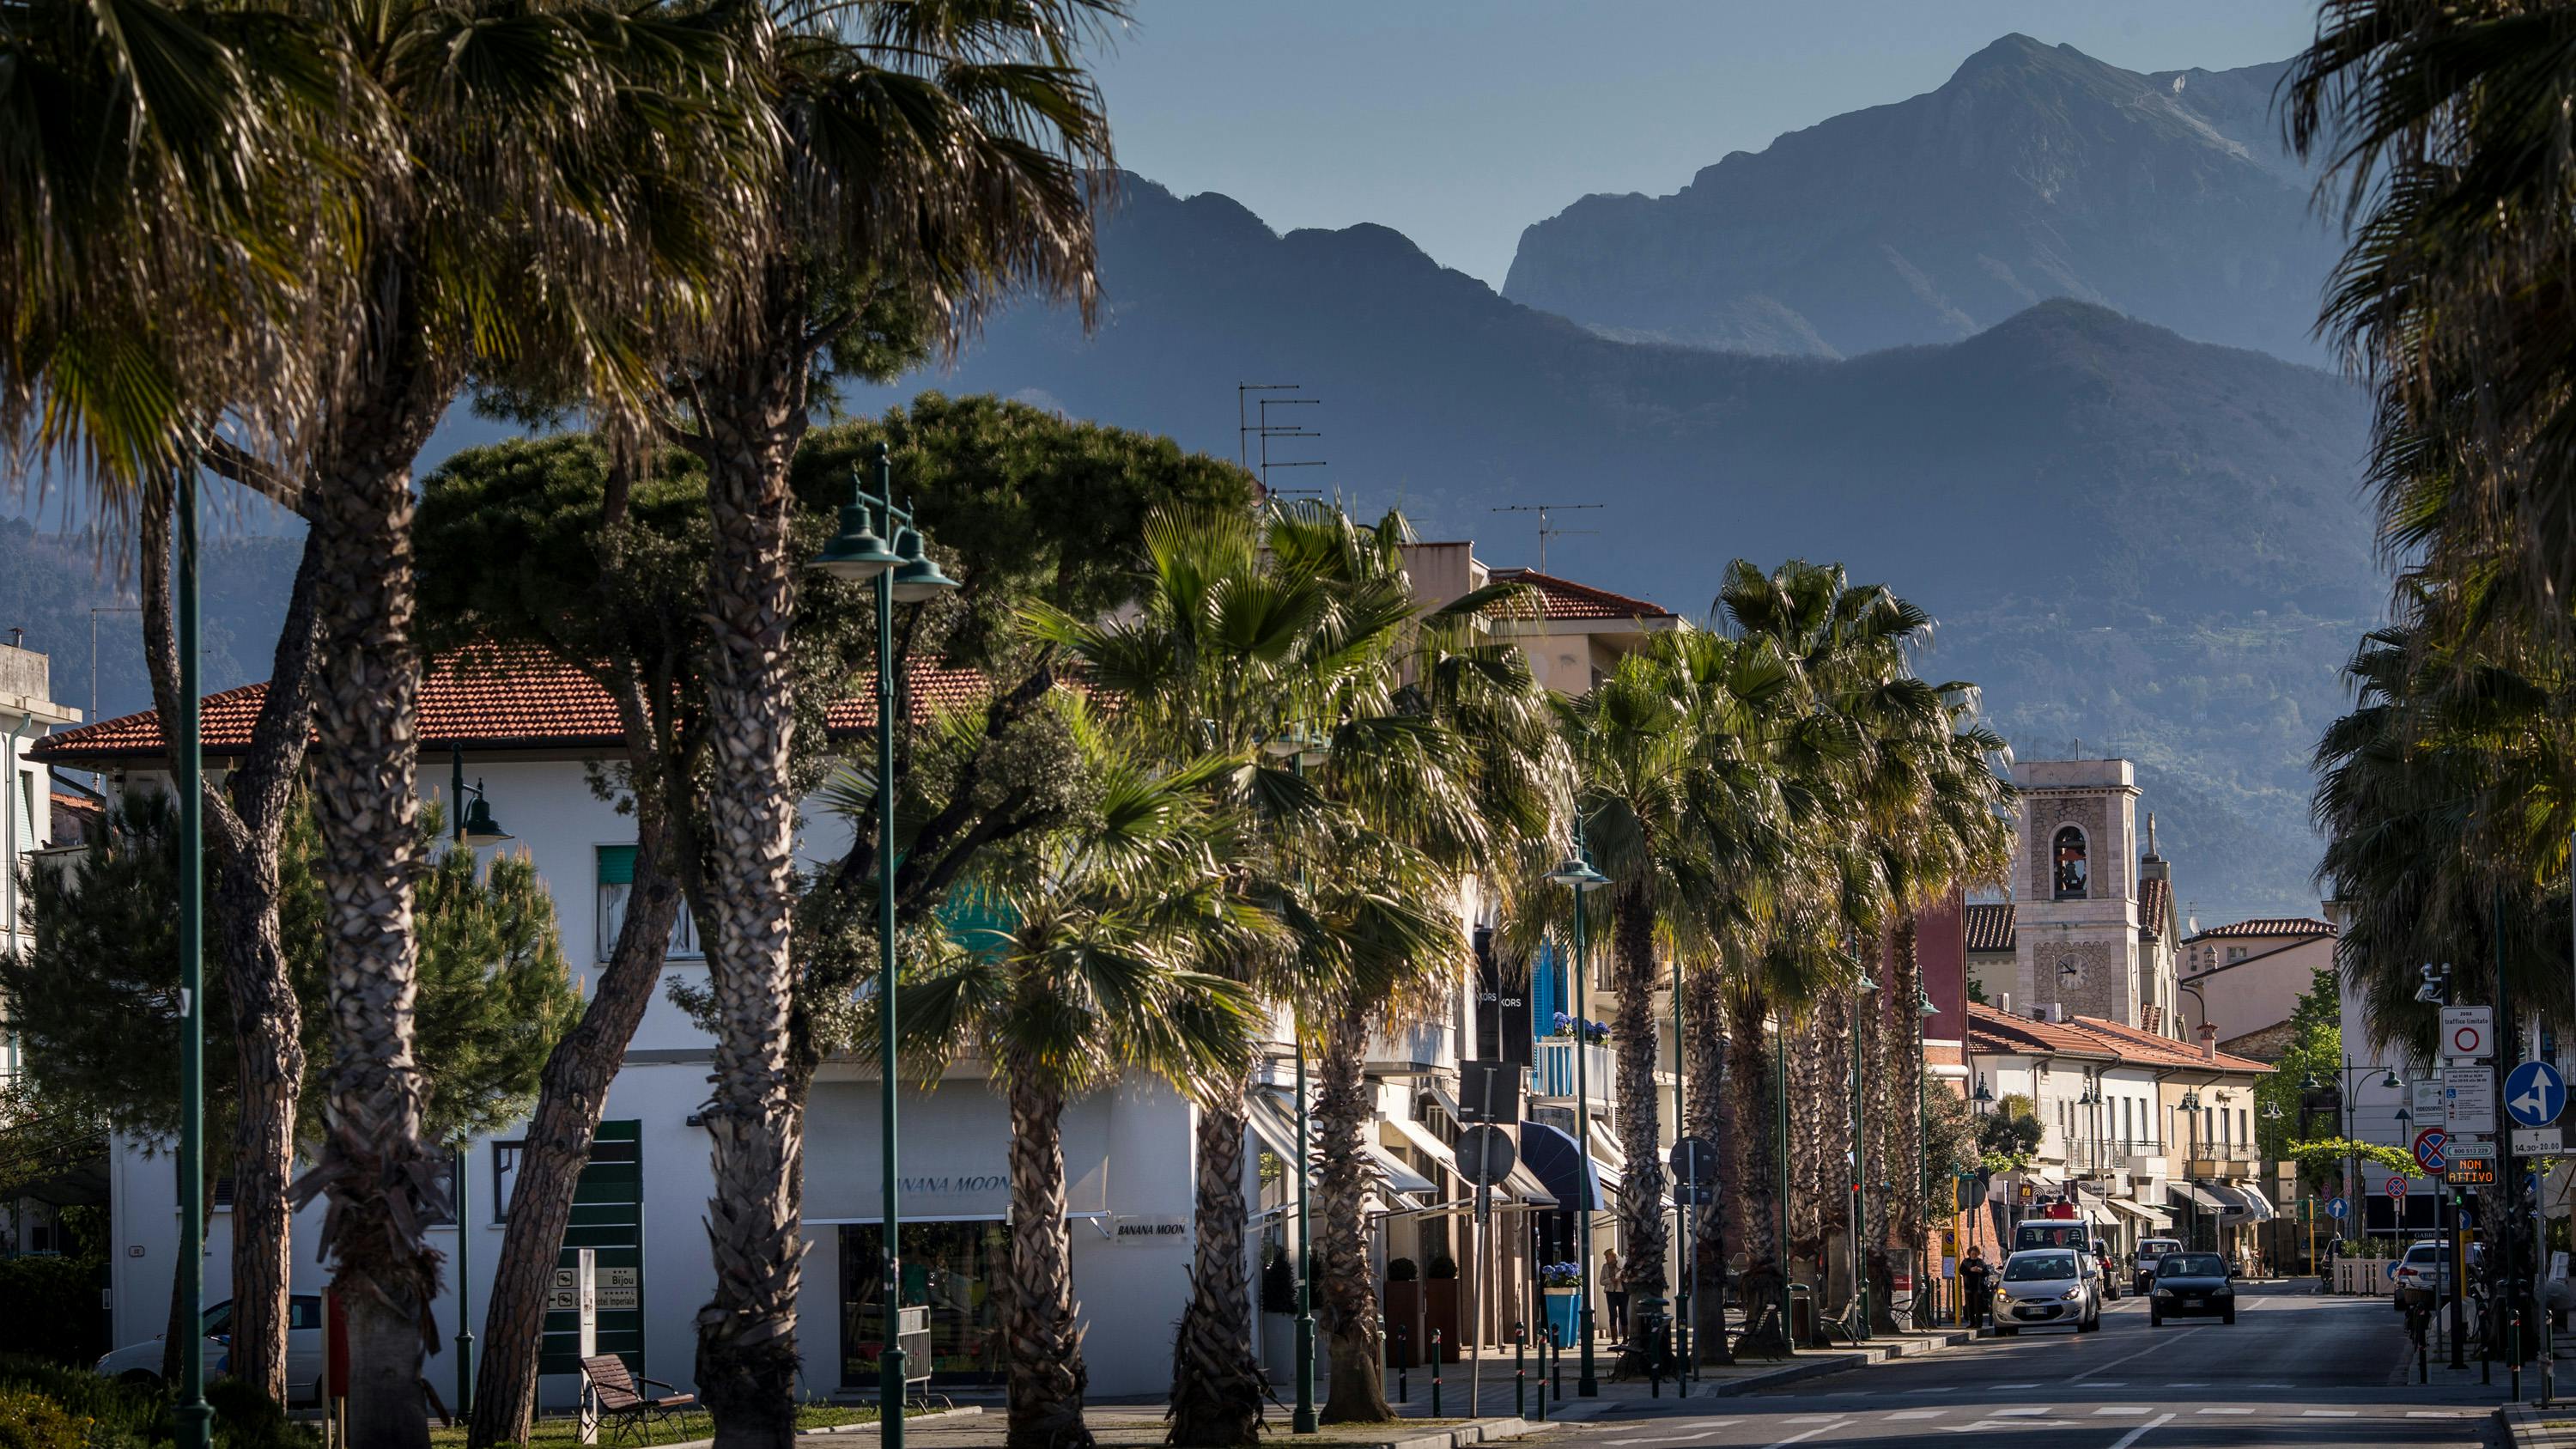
[{"x": 2471, "y": 1172}]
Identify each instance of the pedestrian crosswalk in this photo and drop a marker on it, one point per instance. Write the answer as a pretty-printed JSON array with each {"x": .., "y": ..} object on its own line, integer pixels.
[{"x": 1967, "y": 1419}]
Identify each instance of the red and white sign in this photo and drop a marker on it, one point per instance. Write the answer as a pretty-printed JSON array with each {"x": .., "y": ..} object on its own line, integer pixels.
[
  {"x": 2396, "y": 1186},
  {"x": 2467, "y": 1032}
]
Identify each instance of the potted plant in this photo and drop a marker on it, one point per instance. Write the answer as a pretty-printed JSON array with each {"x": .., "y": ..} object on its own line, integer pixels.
[
  {"x": 1562, "y": 1284},
  {"x": 1440, "y": 1308},
  {"x": 1591, "y": 1033},
  {"x": 1404, "y": 1311}
]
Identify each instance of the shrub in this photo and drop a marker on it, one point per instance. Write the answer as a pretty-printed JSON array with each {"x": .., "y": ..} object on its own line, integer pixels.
[
  {"x": 1402, "y": 1270},
  {"x": 29, "y": 1420},
  {"x": 54, "y": 1310},
  {"x": 1443, "y": 1266}
]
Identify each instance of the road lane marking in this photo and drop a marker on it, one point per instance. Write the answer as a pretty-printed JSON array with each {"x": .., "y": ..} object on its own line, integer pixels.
[
  {"x": 1816, "y": 1418},
  {"x": 1715, "y": 1427},
  {"x": 1937, "y": 1389},
  {"x": 2016, "y": 1386},
  {"x": 2032, "y": 1411},
  {"x": 1810, "y": 1434},
  {"x": 2118, "y": 1410},
  {"x": 2140, "y": 1432},
  {"x": 1918, "y": 1413},
  {"x": 2124, "y": 1358},
  {"x": 2227, "y": 1411},
  {"x": 2330, "y": 1413}
]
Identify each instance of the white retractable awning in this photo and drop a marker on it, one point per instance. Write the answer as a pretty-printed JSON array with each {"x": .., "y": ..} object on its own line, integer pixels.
[
  {"x": 1606, "y": 1149},
  {"x": 2264, "y": 1212},
  {"x": 1421, "y": 1139},
  {"x": 1271, "y": 1123},
  {"x": 2154, "y": 1217},
  {"x": 1447, "y": 1099},
  {"x": 2199, "y": 1193},
  {"x": 1401, "y": 1178}
]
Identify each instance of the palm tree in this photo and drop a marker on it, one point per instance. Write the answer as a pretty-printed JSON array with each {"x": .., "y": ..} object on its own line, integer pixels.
[
  {"x": 933, "y": 152},
  {"x": 2455, "y": 298},
  {"x": 1084, "y": 978}
]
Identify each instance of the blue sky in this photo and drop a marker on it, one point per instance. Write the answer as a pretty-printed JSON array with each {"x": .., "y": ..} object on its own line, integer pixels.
[{"x": 1460, "y": 123}]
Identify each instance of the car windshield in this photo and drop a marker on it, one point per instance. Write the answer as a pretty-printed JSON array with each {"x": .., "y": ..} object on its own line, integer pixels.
[
  {"x": 2192, "y": 1265},
  {"x": 2424, "y": 1253},
  {"x": 2026, "y": 1267}
]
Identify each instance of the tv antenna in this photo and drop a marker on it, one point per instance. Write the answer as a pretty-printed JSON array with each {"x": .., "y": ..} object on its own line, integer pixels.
[
  {"x": 1544, "y": 531},
  {"x": 1252, "y": 420}
]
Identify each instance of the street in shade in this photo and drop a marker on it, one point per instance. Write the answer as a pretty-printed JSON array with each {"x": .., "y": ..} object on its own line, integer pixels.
[{"x": 2295, "y": 1368}]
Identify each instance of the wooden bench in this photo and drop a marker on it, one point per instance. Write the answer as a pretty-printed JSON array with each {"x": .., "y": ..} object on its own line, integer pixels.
[{"x": 624, "y": 1406}]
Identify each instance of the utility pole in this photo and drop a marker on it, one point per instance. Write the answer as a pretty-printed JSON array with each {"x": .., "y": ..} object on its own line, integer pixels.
[{"x": 1544, "y": 532}]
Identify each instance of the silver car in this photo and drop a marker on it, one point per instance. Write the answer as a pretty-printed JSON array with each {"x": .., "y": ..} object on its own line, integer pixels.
[
  {"x": 141, "y": 1362},
  {"x": 2049, "y": 1288}
]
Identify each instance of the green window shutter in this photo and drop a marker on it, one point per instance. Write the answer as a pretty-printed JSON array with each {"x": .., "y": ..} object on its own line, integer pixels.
[{"x": 617, "y": 865}]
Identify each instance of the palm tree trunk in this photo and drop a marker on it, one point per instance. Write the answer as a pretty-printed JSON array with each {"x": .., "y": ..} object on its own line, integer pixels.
[
  {"x": 1879, "y": 1123},
  {"x": 747, "y": 1355},
  {"x": 571, "y": 1096},
  {"x": 1754, "y": 1155},
  {"x": 1641, "y": 1180},
  {"x": 383, "y": 1180},
  {"x": 1047, "y": 1373},
  {"x": 1906, "y": 1234},
  {"x": 1343, "y": 1110},
  {"x": 1217, "y": 1384},
  {"x": 1710, "y": 1116}
]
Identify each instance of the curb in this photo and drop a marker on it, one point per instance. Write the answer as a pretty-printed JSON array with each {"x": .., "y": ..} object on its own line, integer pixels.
[
  {"x": 1816, "y": 1363},
  {"x": 828, "y": 1430},
  {"x": 2525, "y": 1429},
  {"x": 1474, "y": 1431}
]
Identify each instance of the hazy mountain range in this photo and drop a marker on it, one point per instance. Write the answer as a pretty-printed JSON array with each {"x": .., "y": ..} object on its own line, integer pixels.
[
  {"x": 2035, "y": 172},
  {"x": 2133, "y": 538}
]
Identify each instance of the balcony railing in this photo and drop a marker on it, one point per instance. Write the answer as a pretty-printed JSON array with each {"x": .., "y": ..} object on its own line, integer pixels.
[
  {"x": 1430, "y": 1046},
  {"x": 1552, "y": 1072}
]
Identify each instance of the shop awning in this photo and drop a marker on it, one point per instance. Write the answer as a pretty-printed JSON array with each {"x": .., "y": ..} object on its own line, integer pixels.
[
  {"x": 1606, "y": 1149},
  {"x": 1403, "y": 1179},
  {"x": 2154, "y": 1217},
  {"x": 2262, "y": 1206},
  {"x": 2196, "y": 1194},
  {"x": 1447, "y": 1099},
  {"x": 1524, "y": 1186},
  {"x": 1421, "y": 1139},
  {"x": 1270, "y": 1121},
  {"x": 1569, "y": 1176}
]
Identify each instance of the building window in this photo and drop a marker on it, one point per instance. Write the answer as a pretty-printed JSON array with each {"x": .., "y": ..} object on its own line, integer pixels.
[
  {"x": 2235, "y": 954},
  {"x": 2072, "y": 874},
  {"x": 616, "y": 883},
  {"x": 505, "y": 1176}
]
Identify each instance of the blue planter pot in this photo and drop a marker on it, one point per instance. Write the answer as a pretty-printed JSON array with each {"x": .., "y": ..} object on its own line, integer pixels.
[{"x": 1560, "y": 1312}]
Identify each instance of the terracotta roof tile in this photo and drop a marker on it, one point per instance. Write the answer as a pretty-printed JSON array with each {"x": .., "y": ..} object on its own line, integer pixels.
[
  {"x": 2269, "y": 926},
  {"x": 2149, "y": 1049},
  {"x": 1550, "y": 597},
  {"x": 1990, "y": 926},
  {"x": 487, "y": 700},
  {"x": 1996, "y": 1032}
]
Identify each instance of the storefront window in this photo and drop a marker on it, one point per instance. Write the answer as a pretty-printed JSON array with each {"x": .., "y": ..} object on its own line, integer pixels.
[{"x": 954, "y": 1269}]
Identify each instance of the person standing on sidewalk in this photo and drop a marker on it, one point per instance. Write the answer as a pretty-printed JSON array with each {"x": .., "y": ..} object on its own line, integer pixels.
[
  {"x": 1976, "y": 1285},
  {"x": 1614, "y": 1292}
]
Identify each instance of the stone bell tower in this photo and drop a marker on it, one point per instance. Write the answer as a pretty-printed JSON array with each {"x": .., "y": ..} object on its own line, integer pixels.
[{"x": 2075, "y": 886}]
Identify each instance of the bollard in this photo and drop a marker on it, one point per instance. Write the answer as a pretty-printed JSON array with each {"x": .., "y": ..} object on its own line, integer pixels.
[
  {"x": 1542, "y": 1381},
  {"x": 1520, "y": 1373},
  {"x": 1435, "y": 1373},
  {"x": 1556, "y": 1355},
  {"x": 2513, "y": 1352},
  {"x": 1403, "y": 1370}
]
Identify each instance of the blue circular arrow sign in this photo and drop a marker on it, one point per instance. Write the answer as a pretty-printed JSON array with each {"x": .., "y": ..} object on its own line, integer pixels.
[
  {"x": 2535, "y": 1094},
  {"x": 2335, "y": 1207}
]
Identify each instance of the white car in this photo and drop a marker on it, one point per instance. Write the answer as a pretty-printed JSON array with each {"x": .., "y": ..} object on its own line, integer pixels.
[
  {"x": 2049, "y": 1288},
  {"x": 2427, "y": 1265},
  {"x": 141, "y": 1362}
]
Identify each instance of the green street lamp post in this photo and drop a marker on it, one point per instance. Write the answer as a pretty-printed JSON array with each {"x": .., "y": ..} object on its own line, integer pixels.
[
  {"x": 1577, "y": 875},
  {"x": 1301, "y": 749},
  {"x": 1924, "y": 1011},
  {"x": 195, "y": 1417},
  {"x": 473, "y": 827},
  {"x": 902, "y": 575},
  {"x": 1859, "y": 1159}
]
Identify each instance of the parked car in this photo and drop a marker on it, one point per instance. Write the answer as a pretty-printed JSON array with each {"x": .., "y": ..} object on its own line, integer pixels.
[
  {"x": 2427, "y": 1265},
  {"x": 2192, "y": 1285},
  {"x": 140, "y": 1363},
  {"x": 2151, "y": 1252},
  {"x": 2049, "y": 1288},
  {"x": 2109, "y": 1270}
]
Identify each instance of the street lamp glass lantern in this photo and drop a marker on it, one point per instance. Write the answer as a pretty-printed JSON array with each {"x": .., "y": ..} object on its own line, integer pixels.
[
  {"x": 1923, "y": 1003},
  {"x": 1578, "y": 873},
  {"x": 855, "y": 555},
  {"x": 917, "y": 577},
  {"x": 2391, "y": 1081},
  {"x": 480, "y": 827}
]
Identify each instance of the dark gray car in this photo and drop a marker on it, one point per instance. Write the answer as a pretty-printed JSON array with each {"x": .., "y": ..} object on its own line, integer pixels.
[{"x": 2192, "y": 1285}]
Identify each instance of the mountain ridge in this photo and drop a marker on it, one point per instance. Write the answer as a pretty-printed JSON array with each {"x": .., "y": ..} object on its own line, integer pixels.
[{"x": 2034, "y": 171}]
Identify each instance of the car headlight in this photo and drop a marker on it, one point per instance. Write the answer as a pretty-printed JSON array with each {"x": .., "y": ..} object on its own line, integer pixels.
[
  {"x": 2074, "y": 1293},
  {"x": 2164, "y": 1293}
]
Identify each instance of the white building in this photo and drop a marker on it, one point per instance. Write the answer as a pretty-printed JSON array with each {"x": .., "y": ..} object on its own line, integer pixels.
[{"x": 50, "y": 1174}]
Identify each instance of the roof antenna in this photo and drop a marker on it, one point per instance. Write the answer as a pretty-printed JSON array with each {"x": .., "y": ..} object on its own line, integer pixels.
[
  {"x": 1544, "y": 532},
  {"x": 1246, "y": 429}
]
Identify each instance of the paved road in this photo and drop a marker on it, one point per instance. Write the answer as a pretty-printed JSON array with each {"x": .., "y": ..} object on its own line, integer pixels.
[{"x": 2294, "y": 1369}]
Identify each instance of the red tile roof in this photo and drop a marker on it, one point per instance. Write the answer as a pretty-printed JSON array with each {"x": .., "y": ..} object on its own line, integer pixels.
[
  {"x": 482, "y": 699},
  {"x": 1550, "y": 597},
  {"x": 2269, "y": 926},
  {"x": 1990, "y": 926},
  {"x": 1995, "y": 1032}
]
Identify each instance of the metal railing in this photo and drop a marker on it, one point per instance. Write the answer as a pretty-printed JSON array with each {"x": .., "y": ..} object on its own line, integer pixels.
[{"x": 1552, "y": 1072}]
